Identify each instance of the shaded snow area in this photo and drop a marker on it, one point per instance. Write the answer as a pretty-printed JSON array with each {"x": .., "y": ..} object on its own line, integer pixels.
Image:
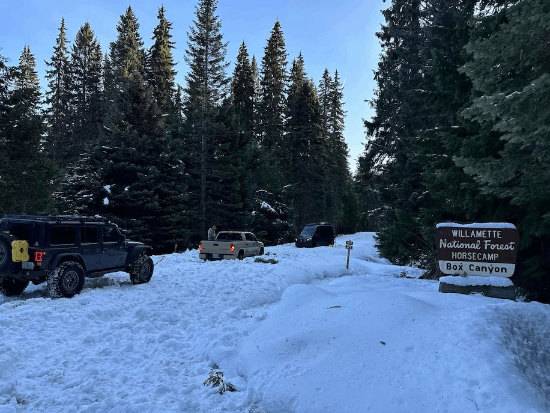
[
  {"x": 296, "y": 333},
  {"x": 477, "y": 280}
]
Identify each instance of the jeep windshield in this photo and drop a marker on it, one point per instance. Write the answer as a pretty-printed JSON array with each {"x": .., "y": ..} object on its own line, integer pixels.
[{"x": 308, "y": 231}]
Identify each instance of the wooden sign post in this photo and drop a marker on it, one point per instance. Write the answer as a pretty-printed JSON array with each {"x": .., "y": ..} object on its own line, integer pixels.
[
  {"x": 477, "y": 252},
  {"x": 349, "y": 247}
]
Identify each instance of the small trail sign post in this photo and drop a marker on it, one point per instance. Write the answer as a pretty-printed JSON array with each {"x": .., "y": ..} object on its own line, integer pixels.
[{"x": 349, "y": 247}]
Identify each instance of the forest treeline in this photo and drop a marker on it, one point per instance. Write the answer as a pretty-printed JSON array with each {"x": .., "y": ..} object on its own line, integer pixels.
[
  {"x": 460, "y": 133},
  {"x": 115, "y": 135}
]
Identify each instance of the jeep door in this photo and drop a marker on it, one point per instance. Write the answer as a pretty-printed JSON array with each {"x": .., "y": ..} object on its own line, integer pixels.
[
  {"x": 90, "y": 247},
  {"x": 113, "y": 251}
]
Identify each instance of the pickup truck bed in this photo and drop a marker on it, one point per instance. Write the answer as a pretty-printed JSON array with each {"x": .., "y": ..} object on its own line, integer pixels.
[{"x": 231, "y": 244}]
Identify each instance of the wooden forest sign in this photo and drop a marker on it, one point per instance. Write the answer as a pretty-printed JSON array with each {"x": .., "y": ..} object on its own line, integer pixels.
[{"x": 488, "y": 249}]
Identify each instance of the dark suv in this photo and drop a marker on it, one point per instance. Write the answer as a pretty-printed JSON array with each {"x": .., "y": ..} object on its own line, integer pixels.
[
  {"x": 314, "y": 235},
  {"x": 61, "y": 250}
]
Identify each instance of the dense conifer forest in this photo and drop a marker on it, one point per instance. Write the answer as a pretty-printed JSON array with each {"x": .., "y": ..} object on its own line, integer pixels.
[{"x": 460, "y": 133}]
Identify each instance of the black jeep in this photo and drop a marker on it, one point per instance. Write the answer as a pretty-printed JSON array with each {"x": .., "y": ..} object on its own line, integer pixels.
[{"x": 62, "y": 250}]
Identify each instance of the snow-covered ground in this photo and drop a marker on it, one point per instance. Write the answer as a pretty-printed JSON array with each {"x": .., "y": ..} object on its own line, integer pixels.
[{"x": 300, "y": 335}]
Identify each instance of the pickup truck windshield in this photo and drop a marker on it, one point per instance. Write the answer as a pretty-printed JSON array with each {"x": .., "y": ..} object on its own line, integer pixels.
[{"x": 226, "y": 236}]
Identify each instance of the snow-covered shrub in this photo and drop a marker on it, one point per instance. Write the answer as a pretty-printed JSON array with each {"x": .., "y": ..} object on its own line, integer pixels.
[
  {"x": 216, "y": 380},
  {"x": 266, "y": 261}
]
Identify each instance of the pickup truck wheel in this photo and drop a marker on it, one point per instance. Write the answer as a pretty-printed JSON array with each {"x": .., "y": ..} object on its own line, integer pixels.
[
  {"x": 142, "y": 270},
  {"x": 66, "y": 280},
  {"x": 7, "y": 266},
  {"x": 9, "y": 287},
  {"x": 240, "y": 256}
]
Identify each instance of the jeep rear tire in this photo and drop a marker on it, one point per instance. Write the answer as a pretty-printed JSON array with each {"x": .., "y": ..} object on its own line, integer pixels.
[
  {"x": 142, "y": 270},
  {"x": 66, "y": 280},
  {"x": 10, "y": 287},
  {"x": 7, "y": 266}
]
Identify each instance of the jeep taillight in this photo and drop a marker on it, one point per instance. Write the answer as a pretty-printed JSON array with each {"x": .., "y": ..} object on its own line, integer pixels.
[
  {"x": 38, "y": 256},
  {"x": 200, "y": 246},
  {"x": 232, "y": 248}
]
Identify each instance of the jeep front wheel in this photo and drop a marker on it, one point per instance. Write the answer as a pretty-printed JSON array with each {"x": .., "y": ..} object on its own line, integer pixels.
[
  {"x": 142, "y": 270},
  {"x": 66, "y": 280},
  {"x": 9, "y": 287}
]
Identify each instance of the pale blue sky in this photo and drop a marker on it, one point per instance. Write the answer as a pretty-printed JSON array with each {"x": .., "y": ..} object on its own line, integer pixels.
[{"x": 333, "y": 34}]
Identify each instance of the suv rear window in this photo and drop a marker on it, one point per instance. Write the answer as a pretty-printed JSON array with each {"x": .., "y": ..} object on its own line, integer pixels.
[
  {"x": 62, "y": 235},
  {"x": 326, "y": 231}
]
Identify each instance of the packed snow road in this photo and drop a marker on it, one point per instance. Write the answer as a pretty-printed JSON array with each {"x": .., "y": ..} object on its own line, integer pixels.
[{"x": 295, "y": 333}]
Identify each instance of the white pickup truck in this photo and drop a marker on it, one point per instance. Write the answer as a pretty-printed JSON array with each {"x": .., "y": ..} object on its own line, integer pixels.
[{"x": 231, "y": 244}]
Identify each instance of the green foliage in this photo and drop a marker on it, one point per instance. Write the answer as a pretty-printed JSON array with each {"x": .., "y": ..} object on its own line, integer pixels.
[
  {"x": 242, "y": 126},
  {"x": 26, "y": 172},
  {"x": 306, "y": 160},
  {"x": 87, "y": 98},
  {"x": 390, "y": 165},
  {"x": 206, "y": 139},
  {"x": 510, "y": 71},
  {"x": 160, "y": 64},
  {"x": 271, "y": 108},
  {"x": 461, "y": 128},
  {"x": 58, "y": 100},
  {"x": 215, "y": 379},
  {"x": 341, "y": 208}
]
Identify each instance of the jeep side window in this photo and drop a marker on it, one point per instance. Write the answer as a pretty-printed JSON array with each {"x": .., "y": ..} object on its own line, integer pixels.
[
  {"x": 62, "y": 235},
  {"x": 88, "y": 235},
  {"x": 22, "y": 232},
  {"x": 110, "y": 234}
]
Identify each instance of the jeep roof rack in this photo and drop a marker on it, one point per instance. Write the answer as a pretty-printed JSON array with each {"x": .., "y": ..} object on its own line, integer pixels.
[{"x": 57, "y": 218}]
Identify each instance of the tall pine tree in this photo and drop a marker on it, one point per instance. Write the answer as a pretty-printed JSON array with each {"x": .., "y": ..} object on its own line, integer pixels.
[
  {"x": 58, "y": 101},
  {"x": 207, "y": 87},
  {"x": 306, "y": 163},
  {"x": 87, "y": 93},
  {"x": 272, "y": 106},
  {"x": 161, "y": 65},
  {"x": 27, "y": 173},
  {"x": 510, "y": 72},
  {"x": 339, "y": 177},
  {"x": 142, "y": 175},
  {"x": 243, "y": 95},
  {"x": 393, "y": 167}
]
